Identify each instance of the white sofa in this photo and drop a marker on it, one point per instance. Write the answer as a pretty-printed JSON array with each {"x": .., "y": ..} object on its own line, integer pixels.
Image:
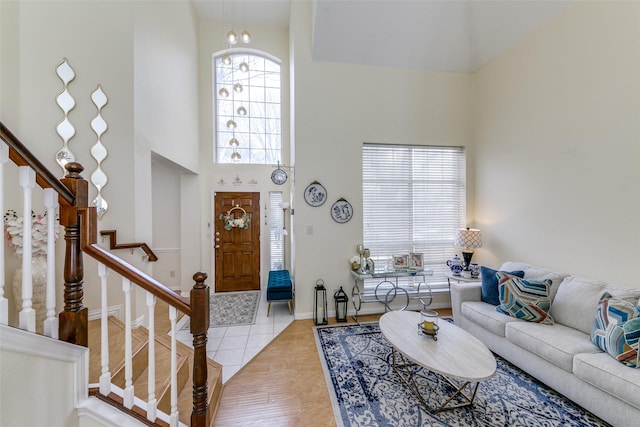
[{"x": 560, "y": 355}]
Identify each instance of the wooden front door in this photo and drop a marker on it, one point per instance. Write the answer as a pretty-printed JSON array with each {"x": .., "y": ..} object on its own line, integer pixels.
[{"x": 237, "y": 250}]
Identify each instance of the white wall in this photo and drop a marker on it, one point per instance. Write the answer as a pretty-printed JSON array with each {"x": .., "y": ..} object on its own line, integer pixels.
[
  {"x": 557, "y": 136},
  {"x": 166, "y": 127},
  {"x": 43, "y": 380},
  {"x": 166, "y": 222},
  {"x": 166, "y": 80},
  {"x": 337, "y": 108}
]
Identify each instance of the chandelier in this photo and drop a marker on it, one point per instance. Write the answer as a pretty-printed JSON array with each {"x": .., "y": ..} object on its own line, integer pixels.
[{"x": 236, "y": 87}]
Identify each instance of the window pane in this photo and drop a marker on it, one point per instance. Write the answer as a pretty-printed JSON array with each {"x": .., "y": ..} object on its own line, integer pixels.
[
  {"x": 258, "y": 92},
  {"x": 413, "y": 201},
  {"x": 275, "y": 230}
]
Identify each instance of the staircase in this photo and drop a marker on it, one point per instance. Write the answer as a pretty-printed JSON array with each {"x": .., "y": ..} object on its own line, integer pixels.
[
  {"x": 185, "y": 385},
  {"x": 140, "y": 348}
]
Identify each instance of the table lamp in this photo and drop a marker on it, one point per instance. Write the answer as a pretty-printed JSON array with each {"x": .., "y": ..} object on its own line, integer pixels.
[{"x": 468, "y": 239}]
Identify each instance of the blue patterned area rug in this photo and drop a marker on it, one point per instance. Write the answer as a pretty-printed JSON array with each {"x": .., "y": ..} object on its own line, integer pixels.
[{"x": 365, "y": 391}]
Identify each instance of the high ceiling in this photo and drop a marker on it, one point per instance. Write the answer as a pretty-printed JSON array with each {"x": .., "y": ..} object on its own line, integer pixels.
[{"x": 438, "y": 35}]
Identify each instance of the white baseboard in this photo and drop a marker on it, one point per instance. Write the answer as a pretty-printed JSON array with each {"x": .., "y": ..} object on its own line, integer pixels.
[{"x": 116, "y": 311}]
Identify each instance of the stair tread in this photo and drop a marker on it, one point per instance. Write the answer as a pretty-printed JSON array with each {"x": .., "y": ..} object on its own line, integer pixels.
[
  {"x": 214, "y": 387},
  {"x": 163, "y": 369},
  {"x": 163, "y": 365},
  {"x": 116, "y": 346}
]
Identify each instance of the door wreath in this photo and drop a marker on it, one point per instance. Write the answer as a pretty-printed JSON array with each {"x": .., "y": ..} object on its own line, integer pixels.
[{"x": 241, "y": 221}]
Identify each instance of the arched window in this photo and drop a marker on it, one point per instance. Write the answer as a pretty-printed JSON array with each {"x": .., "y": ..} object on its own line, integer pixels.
[{"x": 248, "y": 113}]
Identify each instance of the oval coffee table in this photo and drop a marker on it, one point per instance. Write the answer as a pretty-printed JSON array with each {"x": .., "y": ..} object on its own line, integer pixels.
[{"x": 462, "y": 359}]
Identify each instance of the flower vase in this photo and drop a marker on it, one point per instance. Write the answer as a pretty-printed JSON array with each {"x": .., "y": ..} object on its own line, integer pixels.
[{"x": 39, "y": 286}]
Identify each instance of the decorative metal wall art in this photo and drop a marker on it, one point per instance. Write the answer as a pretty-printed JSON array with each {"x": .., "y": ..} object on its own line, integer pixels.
[
  {"x": 65, "y": 101},
  {"x": 99, "y": 151}
]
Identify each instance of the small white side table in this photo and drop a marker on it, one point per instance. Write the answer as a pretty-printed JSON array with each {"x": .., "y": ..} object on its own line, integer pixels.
[{"x": 451, "y": 276}]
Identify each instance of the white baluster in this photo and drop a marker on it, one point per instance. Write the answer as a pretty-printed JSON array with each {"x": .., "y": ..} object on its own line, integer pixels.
[
  {"x": 128, "y": 362},
  {"x": 105, "y": 376},
  {"x": 51, "y": 322},
  {"x": 173, "y": 314},
  {"x": 152, "y": 403},
  {"x": 4, "y": 303},
  {"x": 27, "y": 315}
]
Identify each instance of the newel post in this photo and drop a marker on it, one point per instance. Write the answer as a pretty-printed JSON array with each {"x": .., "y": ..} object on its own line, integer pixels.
[
  {"x": 199, "y": 327},
  {"x": 73, "y": 321}
]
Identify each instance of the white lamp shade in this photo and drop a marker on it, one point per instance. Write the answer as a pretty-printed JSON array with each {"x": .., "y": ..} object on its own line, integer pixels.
[
  {"x": 468, "y": 238},
  {"x": 284, "y": 205}
]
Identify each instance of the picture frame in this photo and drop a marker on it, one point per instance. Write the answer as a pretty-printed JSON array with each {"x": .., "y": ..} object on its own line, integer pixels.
[
  {"x": 401, "y": 262},
  {"x": 416, "y": 261}
]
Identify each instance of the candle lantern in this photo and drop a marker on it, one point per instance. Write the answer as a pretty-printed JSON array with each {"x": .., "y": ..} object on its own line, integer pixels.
[
  {"x": 320, "y": 304},
  {"x": 341, "y": 305}
]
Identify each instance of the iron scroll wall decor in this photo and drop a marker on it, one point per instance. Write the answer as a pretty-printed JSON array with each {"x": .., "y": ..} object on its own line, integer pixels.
[{"x": 231, "y": 221}]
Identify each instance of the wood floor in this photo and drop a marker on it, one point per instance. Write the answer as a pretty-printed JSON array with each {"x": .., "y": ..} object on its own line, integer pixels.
[{"x": 283, "y": 385}]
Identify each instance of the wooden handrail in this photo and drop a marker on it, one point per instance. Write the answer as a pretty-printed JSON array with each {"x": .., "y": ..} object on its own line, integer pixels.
[
  {"x": 81, "y": 224},
  {"x": 21, "y": 156},
  {"x": 113, "y": 244}
]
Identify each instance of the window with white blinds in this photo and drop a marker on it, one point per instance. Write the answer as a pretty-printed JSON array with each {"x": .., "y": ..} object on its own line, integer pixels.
[
  {"x": 248, "y": 107},
  {"x": 413, "y": 201},
  {"x": 276, "y": 239}
]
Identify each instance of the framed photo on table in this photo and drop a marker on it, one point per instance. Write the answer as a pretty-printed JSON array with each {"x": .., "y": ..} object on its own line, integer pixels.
[
  {"x": 400, "y": 262},
  {"x": 416, "y": 261}
]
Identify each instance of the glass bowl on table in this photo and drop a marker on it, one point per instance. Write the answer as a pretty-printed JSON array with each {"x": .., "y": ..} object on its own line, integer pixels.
[{"x": 429, "y": 323}]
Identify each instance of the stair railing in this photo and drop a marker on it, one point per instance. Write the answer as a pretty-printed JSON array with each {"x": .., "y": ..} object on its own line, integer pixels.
[
  {"x": 80, "y": 225},
  {"x": 113, "y": 244}
]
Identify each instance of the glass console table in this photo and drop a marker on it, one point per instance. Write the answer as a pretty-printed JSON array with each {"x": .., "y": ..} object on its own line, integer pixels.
[{"x": 388, "y": 289}]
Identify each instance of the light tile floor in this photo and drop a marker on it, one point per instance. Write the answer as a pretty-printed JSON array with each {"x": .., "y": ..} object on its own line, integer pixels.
[{"x": 234, "y": 346}]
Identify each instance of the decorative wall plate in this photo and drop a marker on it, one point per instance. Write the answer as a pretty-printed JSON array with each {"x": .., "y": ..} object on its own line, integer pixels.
[
  {"x": 341, "y": 211},
  {"x": 315, "y": 194}
]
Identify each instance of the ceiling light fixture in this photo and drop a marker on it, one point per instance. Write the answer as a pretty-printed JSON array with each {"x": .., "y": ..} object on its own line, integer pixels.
[
  {"x": 232, "y": 38},
  {"x": 228, "y": 60},
  {"x": 245, "y": 37}
]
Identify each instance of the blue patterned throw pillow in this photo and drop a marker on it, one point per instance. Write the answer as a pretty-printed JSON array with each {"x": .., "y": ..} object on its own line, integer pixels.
[
  {"x": 616, "y": 329},
  {"x": 490, "y": 284},
  {"x": 524, "y": 299}
]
